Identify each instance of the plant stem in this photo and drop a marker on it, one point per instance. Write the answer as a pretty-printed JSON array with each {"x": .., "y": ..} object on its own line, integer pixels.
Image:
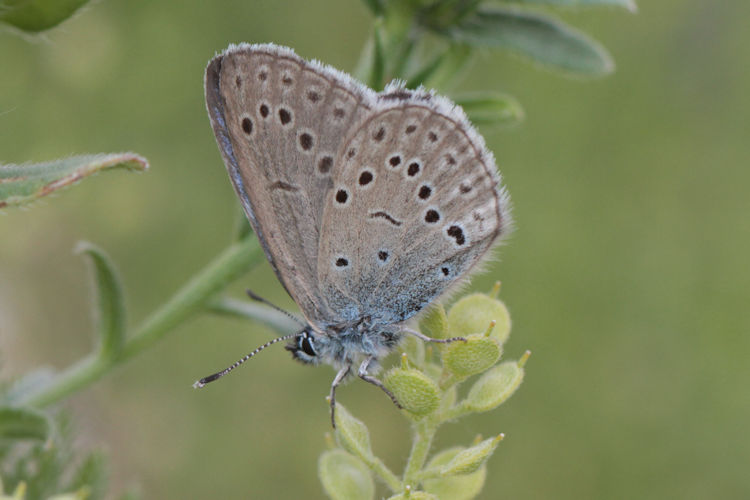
[
  {"x": 190, "y": 299},
  {"x": 230, "y": 265},
  {"x": 425, "y": 431},
  {"x": 385, "y": 474}
]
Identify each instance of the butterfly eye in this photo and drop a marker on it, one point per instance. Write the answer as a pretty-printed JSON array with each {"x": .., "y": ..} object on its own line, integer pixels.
[{"x": 305, "y": 343}]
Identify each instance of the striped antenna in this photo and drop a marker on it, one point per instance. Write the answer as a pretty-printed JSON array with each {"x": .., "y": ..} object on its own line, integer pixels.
[
  {"x": 202, "y": 382},
  {"x": 260, "y": 299}
]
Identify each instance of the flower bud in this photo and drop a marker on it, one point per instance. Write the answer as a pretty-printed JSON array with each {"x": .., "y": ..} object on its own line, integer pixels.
[{"x": 414, "y": 495}]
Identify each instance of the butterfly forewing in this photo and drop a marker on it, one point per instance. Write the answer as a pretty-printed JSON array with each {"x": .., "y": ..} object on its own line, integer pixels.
[{"x": 280, "y": 123}]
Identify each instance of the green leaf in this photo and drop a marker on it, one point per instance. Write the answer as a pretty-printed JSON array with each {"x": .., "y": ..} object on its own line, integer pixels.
[
  {"x": 464, "y": 487},
  {"x": 376, "y": 6},
  {"x": 91, "y": 475},
  {"x": 21, "y": 184},
  {"x": 109, "y": 306},
  {"x": 491, "y": 108},
  {"x": 37, "y": 15},
  {"x": 23, "y": 423},
  {"x": 626, "y": 4},
  {"x": 353, "y": 434},
  {"x": 539, "y": 37},
  {"x": 345, "y": 477},
  {"x": 242, "y": 227},
  {"x": 377, "y": 70},
  {"x": 445, "y": 69},
  {"x": 81, "y": 494},
  {"x": 29, "y": 383}
]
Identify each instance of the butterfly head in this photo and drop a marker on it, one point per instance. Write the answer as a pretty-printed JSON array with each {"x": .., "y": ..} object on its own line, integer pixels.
[{"x": 304, "y": 346}]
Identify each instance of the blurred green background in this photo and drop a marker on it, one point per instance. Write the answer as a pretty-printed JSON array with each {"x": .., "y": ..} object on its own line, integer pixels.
[{"x": 627, "y": 276}]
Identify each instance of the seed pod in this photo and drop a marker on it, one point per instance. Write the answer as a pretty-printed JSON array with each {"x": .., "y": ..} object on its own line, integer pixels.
[
  {"x": 474, "y": 312},
  {"x": 345, "y": 477},
  {"x": 415, "y": 391},
  {"x": 494, "y": 387},
  {"x": 476, "y": 355}
]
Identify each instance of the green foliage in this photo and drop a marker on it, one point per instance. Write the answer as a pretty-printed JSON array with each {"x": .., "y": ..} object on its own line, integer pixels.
[
  {"x": 456, "y": 487},
  {"x": 429, "y": 396},
  {"x": 49, "y": 470},
  {"x": 23, "y": 423},
  {"x": 538, "y": 37},
  {"x": 473, "y": 313},
  {"x": 415, "y": 391},
  {"x": 626, "y": 4},
  {"x": 345, "y": 477},
  {"x": 421, "y": 42},
  {"x": 37, "y": 15},
  {"x": 475, "y": 355},
  {"x": 432, "y": 42},
  {"x": 22, "y": 184},
  {"x": 109, "y": 305},
  {"x": 491, "y": 108}
]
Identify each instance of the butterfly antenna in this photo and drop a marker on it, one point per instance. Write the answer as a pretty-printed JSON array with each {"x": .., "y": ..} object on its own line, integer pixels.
[
  {"x": 202, "y": 382},
  {"x": 260, "y": 299}
]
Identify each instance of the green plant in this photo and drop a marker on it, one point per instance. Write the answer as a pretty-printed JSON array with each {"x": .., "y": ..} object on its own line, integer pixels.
[
  {"x": 427, "y": 385},
  {"x": 422, "y": 42}
]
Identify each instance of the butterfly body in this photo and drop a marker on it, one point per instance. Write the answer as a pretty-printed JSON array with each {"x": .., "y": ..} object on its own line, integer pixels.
[
  {"x": 369, "y": 206},
  {"x": 345, "y": 346}
]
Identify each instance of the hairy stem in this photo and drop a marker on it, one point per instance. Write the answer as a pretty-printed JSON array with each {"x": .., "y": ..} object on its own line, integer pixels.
[
  {"x": 385, "y": 474},
  {"x": 424, "y": 432},
  {"x": 190, "y": 299}
]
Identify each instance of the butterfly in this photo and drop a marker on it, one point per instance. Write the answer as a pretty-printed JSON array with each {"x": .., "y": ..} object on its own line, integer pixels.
[{"x": 369, "y": 206}]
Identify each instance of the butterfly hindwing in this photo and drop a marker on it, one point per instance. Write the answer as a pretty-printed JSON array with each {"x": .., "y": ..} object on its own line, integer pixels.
[{"x": 414, "y": 206}]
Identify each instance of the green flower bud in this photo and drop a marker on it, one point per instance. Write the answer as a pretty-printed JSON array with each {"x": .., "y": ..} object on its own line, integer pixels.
[
  {"x": 471, "y": 459},
  {"x": 494, "y": 387},
  {"x": 18, "y": 494},
  {"x": 450, "y": 396},
  {"x": 476, "y": 355},
  {"x": 473, "y": 313},
  {"x": 352, "y": 433},
  {"x": 345, "y": 477},
  {"x": 82, "y": 494},
  {"x": 434, "y": 323},
  {"x": 414, "y": 495},
  {"x": 417, "y": 393},
  {"x": 463, "y": 487},
  {"x": 414, "y": 347}
]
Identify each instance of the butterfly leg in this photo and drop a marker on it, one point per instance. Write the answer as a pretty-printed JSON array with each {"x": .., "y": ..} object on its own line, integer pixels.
[
  {"x": 377, "y": 383},
  {"x": 341, "y": 375},
  {"x": 430, "y": 339}
]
